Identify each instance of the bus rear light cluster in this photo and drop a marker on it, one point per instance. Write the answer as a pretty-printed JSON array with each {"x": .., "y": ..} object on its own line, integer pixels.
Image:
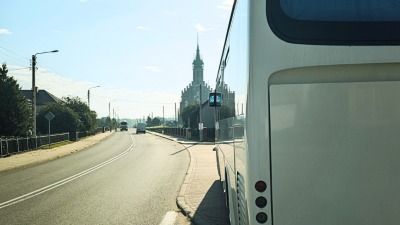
[
  {"x": 261, "y": 202},
  {"x": 261, "y": 217},
  {"x": 261, "y": 186}
]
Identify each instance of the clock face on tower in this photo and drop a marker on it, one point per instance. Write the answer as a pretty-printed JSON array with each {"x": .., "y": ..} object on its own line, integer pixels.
[{"x": 186, "y": 103}]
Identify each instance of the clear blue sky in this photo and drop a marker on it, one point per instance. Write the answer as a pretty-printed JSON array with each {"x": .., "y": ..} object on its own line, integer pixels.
[{"x": 139, "y": 52}]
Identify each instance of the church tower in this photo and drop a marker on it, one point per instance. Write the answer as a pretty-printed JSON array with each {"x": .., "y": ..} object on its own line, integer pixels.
[
  {"x": 196, "y": 93},
  {"x": 198, "y": 67}
]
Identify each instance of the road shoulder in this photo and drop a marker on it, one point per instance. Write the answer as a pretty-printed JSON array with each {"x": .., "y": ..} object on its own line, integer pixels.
[{"x": 34, "y": 157}]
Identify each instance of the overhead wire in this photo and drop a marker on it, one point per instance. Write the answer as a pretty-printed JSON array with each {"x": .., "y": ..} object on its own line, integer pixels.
[
  {"x": 16, "y": 58},
  {"x": 124, "y": 100}
]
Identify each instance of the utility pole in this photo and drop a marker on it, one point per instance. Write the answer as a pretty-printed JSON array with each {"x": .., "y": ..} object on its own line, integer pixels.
[
  {"x": 200, "y": 104},
  {"x": 200, "y": 123},
  {"x": 33, "y": 96},
  {"x": 88, "y": 95},
  {"x": 34, "y": 90}
]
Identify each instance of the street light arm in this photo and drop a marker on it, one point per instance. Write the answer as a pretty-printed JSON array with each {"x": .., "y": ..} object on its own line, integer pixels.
[
  {"x": 88, "y": 94},
  {"x": 46, "y": 52},
  {"x": 94, "y": 87}
]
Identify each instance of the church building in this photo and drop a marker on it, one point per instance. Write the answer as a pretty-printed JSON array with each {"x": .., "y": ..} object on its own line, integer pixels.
[{"x": 197, "y": 91}]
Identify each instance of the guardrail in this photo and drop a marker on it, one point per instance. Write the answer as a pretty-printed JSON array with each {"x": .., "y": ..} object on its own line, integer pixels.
[{"x": 10, "y": 146}]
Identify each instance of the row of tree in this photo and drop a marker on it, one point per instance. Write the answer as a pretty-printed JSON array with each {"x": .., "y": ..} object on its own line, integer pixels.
[{"x": 71, "y": 114}]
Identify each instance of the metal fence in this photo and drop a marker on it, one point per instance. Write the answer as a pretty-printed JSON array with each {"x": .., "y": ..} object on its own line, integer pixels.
[
  {"x": 10, "y": 146},
  {"x": 191, "y": 134}
]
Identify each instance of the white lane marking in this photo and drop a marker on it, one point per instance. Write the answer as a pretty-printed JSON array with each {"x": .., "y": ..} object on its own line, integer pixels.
[
  {"x": 64, "y": 181},
  {"x": 169, "y": 218}
]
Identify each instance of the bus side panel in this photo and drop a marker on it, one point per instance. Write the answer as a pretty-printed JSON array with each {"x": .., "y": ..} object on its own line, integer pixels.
[
  {"x": 225, "y": 145},
  {"x": 335, "y": 149}
]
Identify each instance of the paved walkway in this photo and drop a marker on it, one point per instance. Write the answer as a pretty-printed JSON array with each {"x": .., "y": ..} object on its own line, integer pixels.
[{"x": 201, "y": 196}]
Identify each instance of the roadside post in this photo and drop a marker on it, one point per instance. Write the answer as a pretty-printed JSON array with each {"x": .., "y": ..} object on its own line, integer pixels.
[{"x": 201, "y": 131}]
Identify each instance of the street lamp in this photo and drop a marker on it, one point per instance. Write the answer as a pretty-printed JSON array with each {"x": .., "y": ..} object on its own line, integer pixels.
[
  {"x": 109, "y": 107},
  {"x": 88, "y": 95},
  {"x": 109, "y": 110},
  {"x": 34, "y": 90}
]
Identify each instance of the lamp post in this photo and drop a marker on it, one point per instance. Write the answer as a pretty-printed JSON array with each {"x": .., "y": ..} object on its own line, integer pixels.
[
  {"x": 109, "y": 108},
  {"x": 88, "y": 95},
  {"x": 200, "y": 120},
  {"x": 34, "y": 90}
]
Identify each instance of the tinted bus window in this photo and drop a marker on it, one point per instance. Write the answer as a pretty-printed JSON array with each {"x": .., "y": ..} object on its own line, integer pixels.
[
  {"x": 342, "y": 10},
  {"x": 335, "y": 22}
]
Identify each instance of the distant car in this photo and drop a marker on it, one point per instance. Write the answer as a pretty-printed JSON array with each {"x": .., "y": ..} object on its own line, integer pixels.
[
  {"x": 141, "y": 127},
  {"x": 123, "y": 125}
]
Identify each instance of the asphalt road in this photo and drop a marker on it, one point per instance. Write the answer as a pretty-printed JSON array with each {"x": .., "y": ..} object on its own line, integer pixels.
[{"x": 126, "y": 179}]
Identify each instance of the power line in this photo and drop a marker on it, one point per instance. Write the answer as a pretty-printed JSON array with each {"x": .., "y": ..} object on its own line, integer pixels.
[
  {"x": 15, "y": 53},
  {"x": 19, "y": 69},
  {"x": 123, "y": 100},
  {"x": 14, "y": 59}
]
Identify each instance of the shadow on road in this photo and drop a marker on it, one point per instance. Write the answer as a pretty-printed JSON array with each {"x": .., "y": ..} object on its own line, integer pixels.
[{"x": 212, "y": 209}]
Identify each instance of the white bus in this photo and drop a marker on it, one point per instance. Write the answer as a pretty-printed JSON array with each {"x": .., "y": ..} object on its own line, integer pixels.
[{"x": 318, "y": 141}]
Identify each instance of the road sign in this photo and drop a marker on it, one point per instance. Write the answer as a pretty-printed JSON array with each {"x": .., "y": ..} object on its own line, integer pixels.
[{"x": 49, "y": 116}]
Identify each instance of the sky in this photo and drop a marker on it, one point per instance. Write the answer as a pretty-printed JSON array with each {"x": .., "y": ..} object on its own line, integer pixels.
[{"x": 139, "y": 52}]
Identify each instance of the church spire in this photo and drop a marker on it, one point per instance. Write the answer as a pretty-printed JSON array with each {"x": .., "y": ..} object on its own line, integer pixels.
[
  {"x": 198, "y": 50},
  {"x": 198, "y": 66}
]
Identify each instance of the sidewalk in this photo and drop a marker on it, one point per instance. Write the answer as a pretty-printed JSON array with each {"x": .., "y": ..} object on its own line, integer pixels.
[{"x": 201, "y": 195}]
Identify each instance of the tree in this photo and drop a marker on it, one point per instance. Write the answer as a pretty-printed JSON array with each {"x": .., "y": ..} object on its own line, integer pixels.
[
  {"x": 148, "y": 121},
  {"x": 86, "y": 116},
  {"x": 65, "y": 120},
  {"x": 15, "y": 115},
  {"x": 104, "y": 122},
  {"x": 225, "y": 112},
  {"x": 109, "y": 122},
  {"x": 155, "y": 121},
  {"x": 190, "y": 113}
]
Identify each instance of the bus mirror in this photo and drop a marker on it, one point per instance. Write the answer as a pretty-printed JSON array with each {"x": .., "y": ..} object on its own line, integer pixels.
[{"x": 215, "y": 99}]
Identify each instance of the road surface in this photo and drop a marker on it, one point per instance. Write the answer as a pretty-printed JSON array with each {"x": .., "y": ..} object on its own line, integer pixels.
[{"x": 128, "y": 178}]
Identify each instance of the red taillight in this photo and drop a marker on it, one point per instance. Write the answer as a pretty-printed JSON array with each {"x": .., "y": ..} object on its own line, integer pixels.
[{"x": 261, "y": 186}]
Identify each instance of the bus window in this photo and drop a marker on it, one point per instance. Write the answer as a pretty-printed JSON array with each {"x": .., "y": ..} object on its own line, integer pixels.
[
  {"x": 342, "y": 10},
  {"x": 335, "y": 22}
]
